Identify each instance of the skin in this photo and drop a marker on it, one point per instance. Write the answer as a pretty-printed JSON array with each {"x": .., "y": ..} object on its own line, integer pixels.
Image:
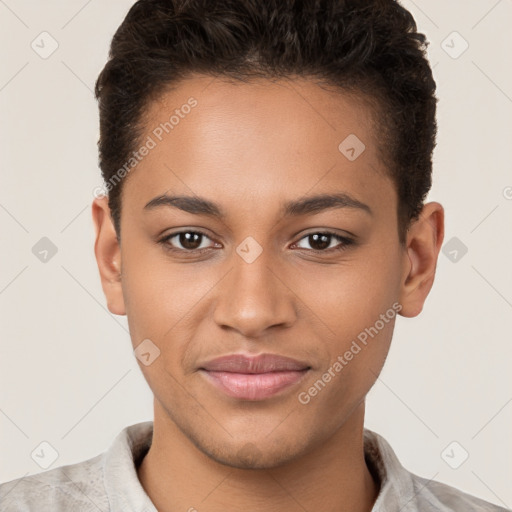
[{"x": 251, "y": 147}]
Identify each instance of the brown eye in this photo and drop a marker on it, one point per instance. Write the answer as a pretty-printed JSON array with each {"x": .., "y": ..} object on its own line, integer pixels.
[
  {"x": 185, "y": 241},
  {"x": 319, "y": 241},
  {"x": 323, "y": 241},
  {"x": 190, "y": 240}
]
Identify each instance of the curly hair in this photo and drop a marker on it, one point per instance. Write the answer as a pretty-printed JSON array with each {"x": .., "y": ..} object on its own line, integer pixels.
[{"x": 370, "y": 47}]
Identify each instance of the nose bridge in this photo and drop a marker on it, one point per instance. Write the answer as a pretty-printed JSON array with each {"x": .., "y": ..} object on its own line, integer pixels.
[{"x": 252, "y": 298}]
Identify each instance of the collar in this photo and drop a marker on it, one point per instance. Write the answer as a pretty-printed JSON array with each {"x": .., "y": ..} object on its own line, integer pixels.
[{"x": 126, "y": 494}]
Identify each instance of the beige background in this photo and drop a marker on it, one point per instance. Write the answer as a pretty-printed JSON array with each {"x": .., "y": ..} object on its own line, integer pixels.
[{"x": 67, "y": 372}]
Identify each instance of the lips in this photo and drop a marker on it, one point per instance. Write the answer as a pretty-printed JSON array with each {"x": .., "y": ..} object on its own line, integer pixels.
[
  {"x": 253, "y": 378},
  {"x": 263, "y": 363}
]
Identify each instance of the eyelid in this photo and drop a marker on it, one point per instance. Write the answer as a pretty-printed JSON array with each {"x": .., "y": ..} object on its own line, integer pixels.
[{"x": 330, "y": 231}]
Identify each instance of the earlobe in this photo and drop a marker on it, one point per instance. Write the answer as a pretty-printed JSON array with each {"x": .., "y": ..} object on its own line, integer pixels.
[
  {"x": 424, "y": 240},
  {"x": 108, "y": 256}
]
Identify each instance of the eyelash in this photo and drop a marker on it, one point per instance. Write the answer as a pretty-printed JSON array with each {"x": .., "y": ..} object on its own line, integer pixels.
[{"x": 345, "y": 242}]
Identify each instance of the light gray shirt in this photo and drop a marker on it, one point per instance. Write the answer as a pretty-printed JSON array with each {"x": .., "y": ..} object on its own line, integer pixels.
[{"x": 109, "y": 482}]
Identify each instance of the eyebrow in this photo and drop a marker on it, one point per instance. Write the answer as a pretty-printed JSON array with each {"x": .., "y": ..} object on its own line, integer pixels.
[{"x": 313, "y": 204}]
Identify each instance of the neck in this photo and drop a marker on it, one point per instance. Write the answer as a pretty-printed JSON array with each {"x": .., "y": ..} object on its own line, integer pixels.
[{"x": 331, "y": 477}]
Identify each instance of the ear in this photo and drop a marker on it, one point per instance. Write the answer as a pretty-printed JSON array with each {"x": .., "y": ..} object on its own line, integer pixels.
[
  {"x": 424, "y": 240},
  {"x": 108, "y": 255}
]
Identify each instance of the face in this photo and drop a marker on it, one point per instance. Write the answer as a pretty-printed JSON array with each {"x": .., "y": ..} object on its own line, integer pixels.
[{"x": 286, "y": 244}]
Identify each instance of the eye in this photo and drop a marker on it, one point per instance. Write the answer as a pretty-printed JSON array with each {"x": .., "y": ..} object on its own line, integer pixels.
[
  {"x": 192, "y": 241},
  {"x": 322, "y": 241},
  {"x": 189, "y": 241}
]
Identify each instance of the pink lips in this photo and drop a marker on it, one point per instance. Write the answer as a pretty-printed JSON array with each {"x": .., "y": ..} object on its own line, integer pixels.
[{"x": 253, "y": 378}]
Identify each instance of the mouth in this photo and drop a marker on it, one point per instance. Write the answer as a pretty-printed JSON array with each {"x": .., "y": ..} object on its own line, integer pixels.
[
  {"x": 253, "y": 386},
  {"x": 253, "y": 378}
]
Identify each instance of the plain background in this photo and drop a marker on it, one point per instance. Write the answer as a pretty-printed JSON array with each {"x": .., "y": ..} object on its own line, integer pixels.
[{"x": 67, "y": 372}]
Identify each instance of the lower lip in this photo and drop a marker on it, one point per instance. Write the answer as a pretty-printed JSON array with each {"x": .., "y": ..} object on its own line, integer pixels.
[{"x": 253, "y": 386}]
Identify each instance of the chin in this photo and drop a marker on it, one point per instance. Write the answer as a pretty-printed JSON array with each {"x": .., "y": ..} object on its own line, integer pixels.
[{"x": 250, "y": 456}]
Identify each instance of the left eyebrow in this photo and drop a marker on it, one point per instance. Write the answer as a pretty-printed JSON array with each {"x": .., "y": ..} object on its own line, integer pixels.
[{"x": 313, "y": 204}]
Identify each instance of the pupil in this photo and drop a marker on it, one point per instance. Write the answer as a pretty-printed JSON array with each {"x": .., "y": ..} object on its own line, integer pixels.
[
  {"x": 322, "y": 244},
  {"x": 187, "y": 240},
  {"x": 190, "y": 240}
]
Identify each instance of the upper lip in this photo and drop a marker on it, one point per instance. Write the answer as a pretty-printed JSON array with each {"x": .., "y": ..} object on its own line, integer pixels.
[{"x": 262, "y": 363}]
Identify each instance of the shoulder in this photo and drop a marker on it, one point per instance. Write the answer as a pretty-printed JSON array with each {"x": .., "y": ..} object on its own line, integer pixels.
[
  {"x": 404, "y": 490},
  {"x": 432, "y": 495},
  {"x": 76, "y": 486}
]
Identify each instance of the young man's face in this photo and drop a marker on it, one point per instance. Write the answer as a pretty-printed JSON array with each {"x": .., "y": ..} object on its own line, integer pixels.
[{"x": 252, "y": 149}]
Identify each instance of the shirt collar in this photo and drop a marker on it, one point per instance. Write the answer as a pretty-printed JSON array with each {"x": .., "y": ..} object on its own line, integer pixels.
[
  {"x": 124, "y": 490},
  {"x": 126, "y": 494},
  {"x": 396, "y": 485}
]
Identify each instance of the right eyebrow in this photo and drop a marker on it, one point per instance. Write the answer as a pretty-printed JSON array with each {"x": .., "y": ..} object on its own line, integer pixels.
[{"x": 190, "y": 204}]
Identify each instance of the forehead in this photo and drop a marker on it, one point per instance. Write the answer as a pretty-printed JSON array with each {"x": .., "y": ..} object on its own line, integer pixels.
[
  {"x": 261, "y": 107},
  {"x": 211, "y": 135}
]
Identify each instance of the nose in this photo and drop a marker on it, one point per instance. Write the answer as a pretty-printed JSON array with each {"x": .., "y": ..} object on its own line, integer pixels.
[{"x": 254, "y": 297}]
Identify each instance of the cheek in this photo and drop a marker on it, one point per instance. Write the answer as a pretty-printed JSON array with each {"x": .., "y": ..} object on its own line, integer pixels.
[
  {"x": 162, "y": 299},
  {"x": 357, "y": 303},
  {"x": 351, "y": 296},
  {"x": 153, "y": 293},
  {"x": 361, "y": 315}
]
